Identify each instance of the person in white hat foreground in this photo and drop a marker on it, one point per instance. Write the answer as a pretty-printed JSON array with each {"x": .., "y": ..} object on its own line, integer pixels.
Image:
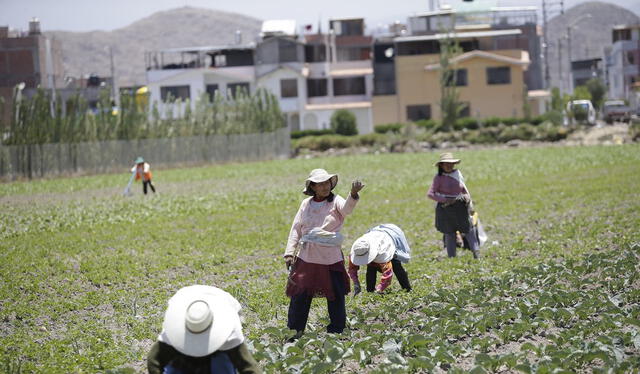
[
  {"x": 383, "y": 249},
  {"x": 314, "y": 252},
  {"x": 201, "y": 333},
  {"x": 455, "y": 208}
]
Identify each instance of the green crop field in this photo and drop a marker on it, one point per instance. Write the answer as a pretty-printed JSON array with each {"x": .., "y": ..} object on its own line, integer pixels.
[{"x": 86, "y": 272}]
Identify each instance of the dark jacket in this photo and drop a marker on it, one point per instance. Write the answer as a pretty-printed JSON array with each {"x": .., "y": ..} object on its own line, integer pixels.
[{"x": 161, "y": 354}]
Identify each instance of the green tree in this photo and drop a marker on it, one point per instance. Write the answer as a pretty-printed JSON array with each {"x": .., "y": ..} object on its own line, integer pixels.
[
  {"x": 450, "y": 106},
  {"x": 343, "y": 122},
  {"x": 581, "y": 93},
  {"x": 556, "y": 99},
  {"x": 597, "y": 90}
]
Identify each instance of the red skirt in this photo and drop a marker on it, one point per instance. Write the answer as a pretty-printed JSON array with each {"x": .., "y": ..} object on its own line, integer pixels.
[{"x": 315, "y": 279}]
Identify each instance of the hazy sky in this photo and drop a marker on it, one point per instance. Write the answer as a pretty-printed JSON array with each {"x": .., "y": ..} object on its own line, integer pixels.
[{"x": 86, "y": 15}]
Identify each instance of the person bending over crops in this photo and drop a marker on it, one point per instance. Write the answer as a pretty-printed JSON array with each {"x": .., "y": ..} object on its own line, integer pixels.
[
  {"x": 313, "y": 254},
  {"x": 454, "y": 206},
  {"x": 143, "y": 171},
  {"x": 383, "y": 249},
  {"x": 201, "y": 333}
]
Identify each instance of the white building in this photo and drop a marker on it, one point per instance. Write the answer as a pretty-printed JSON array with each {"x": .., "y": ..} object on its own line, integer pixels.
[
  {"x": 312, "y": 76},
  {"x": 622, "y": 62}
]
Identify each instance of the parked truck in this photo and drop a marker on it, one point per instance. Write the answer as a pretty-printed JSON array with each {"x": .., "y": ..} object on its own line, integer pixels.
[{"x": 616, "y": 111}]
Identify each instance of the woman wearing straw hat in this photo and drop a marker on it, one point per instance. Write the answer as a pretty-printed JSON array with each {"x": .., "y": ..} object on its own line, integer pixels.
[
  {"x": 317, "y": 269},
  {"x": 201, "y": 333},
  {"x": 454, "y": 204},
  {"x": 382, "y": 249}
]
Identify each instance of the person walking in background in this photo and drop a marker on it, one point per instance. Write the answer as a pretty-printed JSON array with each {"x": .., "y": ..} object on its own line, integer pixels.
[
  {"x": 454, "y": 206},
  {"x": 201, "y": 333},
  {"x": 383, "y": 249},
  {"x": 314, "y": 252},
  {"x": 142, "y": 171}
]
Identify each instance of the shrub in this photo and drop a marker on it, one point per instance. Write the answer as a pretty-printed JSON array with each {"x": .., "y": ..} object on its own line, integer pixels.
[
  {"x": 554, "y": 116},
  {"x": 428, "y": 124},
  {"x": 510, "y": 121},
  {"x": 537, "y": 120},
  {"x": 343, "y": 122},
  {"x": 389, "y": 127},
  {"x": 303, "y": 133},
  {"x": 324, "y": 142},
  {"x": 491, "y": 121},
  {"x": 468, "y": 123},
  {"x": 372, "y": 139}
]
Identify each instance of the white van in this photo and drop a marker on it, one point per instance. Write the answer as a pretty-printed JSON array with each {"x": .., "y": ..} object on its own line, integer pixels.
[{"x": 584, "y": 106}]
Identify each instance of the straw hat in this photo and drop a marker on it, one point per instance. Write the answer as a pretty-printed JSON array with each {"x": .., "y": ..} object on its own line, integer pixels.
[
  {"x": 139, "y": 160},
  {"x": 362, "y": 253},
  {"x": 448, "y": 158},
  {"x": 319, "y": 176},
  {"x": 199, "y": 320}
]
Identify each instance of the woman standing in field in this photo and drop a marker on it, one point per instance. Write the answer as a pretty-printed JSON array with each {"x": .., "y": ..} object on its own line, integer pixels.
[
  {"x": 454, "y": 208},
  {"x": 317, "y": 270}
]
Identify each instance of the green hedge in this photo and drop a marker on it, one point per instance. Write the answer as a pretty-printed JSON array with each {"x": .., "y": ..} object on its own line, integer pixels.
[
  {"x": 389, "y": 127},
  {"x": 303, "y": 133}
]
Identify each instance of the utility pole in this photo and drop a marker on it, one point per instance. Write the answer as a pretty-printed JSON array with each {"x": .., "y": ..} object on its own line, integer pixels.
[
  {"x": 114, "y": 90},
  {"x": 545, "y": 40}
]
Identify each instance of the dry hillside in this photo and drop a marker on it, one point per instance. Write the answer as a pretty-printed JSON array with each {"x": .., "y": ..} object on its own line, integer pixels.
[{"x": 86, "y": 52}]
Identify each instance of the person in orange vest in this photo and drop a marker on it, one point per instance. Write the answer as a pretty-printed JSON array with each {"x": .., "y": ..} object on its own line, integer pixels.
[{"x": 143, "y": 170}]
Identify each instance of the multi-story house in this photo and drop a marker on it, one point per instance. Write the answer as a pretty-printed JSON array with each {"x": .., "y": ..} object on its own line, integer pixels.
[
  {"x": 30, "y": 60},
  {"x": 187, "y": 73},
  {"x": 622, "y": 62},
  {"x": 312, "y": 75},
  {"x": 490, "y": 72}
]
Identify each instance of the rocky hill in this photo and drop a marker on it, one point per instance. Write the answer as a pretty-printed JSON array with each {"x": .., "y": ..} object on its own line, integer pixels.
[
  {"x": 87, "y": 52},
  {"x": 590, "y": 32}
]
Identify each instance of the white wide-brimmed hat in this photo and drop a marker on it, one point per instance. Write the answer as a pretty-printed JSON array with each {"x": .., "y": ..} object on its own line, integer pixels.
[
  {"x": 319, "y": 176},
  {"x": 448, "y": 158},
  {"x": 199, "y": 319},
  {"x": 362, "y": 253}
]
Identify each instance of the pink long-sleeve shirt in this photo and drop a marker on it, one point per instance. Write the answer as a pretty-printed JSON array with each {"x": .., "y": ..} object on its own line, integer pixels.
[
  {"x": 327, "y": 215},
  {"x": 443, "y": 185}
]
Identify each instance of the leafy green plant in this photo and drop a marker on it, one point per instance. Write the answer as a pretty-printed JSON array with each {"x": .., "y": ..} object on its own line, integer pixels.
[
  {"x": 343, "y": 122},
  {"x": 389, "y": 127},
  {"x": 303, "y": 133}
]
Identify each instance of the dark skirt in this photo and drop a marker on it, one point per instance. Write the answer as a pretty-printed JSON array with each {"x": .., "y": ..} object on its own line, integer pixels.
[
  {"x": 315, "y": 279},
  {"x": 452, "y": 218}
]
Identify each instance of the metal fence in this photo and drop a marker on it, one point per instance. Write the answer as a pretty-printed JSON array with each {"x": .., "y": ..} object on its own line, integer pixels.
[{"x": 42, "y": 160}]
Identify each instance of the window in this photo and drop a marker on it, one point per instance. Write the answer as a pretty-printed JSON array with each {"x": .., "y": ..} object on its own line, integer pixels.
[
  {"x": 418, "y": 112},
  {"x": 174, "y": 92},
  {"x": 211, "y": 91},
  {"x": 315, "y": 53},
  {"x": 316, "y": 87},
  {"x": 348, "y": 86},
  {"x": 460, "y": 77},
  {"x": 631, "y": 57},
  {"x": 234, "y": 88},
  {"x": 287, "y": 51},
  {"x": 288, "y": 88},
  {"x": 220, "y": 60},
  {"x": 499, "y": 75}
]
